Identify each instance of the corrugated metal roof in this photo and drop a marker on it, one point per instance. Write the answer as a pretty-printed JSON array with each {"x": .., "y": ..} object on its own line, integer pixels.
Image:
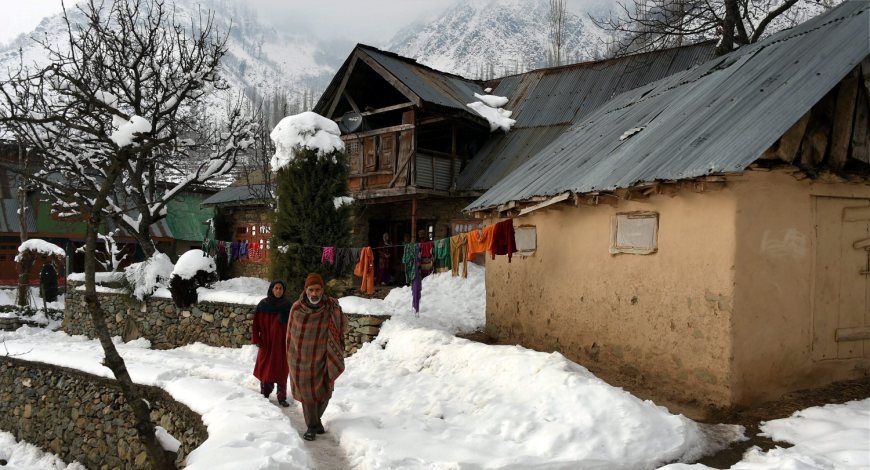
[
  {"x": 430, "y": 85},
  {"x": 545, "y": 102},
  {"x": 236, "y": 194},
  {"x": 718, "y": 117}
]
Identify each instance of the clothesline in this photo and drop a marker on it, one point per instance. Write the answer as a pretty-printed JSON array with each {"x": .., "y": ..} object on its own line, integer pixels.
[{"x": 420, "y": 258}]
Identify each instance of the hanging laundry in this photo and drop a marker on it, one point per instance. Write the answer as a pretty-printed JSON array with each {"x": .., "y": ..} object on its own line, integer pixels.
[
  {"x": 328, "y": 256},
  {"x": 442, "y": 255},
  {"x": 365, "y": 269},
  {"x": 479, "y": 240},
  {"x": 411, "y": 260},
  {"x": 243, "y": 249},
  {"x": 234, "y": 250},
  {"x": 503, "y": 239},
  {"x": 427, "y": 261},
  {"x": 416, "y": 290},
  {"x": 459, "y": 253}
]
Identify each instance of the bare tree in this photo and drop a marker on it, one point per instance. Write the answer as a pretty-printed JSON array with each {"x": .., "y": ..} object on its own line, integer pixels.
[
  {"x": 117, "y": 109},
  {"x": 646, "y": 25},
  {"x": 556, "y": 23}
]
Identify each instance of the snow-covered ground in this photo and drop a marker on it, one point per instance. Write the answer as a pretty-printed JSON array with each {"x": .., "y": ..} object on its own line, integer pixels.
[
  {"x": 419, "y": 397},
  {"x": 450, "y": 303},
  {"x": 824, "y": 437},
  {"x": 24, "y": 456}
]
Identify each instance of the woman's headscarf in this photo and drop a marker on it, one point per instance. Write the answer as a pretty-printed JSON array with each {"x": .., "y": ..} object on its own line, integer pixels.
[{"x": 276, "y": 305}]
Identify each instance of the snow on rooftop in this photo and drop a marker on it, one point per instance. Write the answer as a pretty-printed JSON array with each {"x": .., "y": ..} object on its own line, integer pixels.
[
  {"x": 306, "y": 130},
  {"x": 192, "y": 262},
  {"x": 40, "y": 246},
  {"x": 490, "y": 108}
]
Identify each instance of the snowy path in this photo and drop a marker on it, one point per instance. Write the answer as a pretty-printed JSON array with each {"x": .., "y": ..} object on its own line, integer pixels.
[{"x": 325, "y": 453}]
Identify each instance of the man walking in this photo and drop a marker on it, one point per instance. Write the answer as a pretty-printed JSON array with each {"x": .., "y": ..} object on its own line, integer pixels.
[{"x": 315, "y": 351}]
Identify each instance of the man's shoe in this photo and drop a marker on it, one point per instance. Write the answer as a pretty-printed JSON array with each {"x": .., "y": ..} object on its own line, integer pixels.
[
  {"x": 309, "y": 435},
  {"x": 283, "y": 403},
  {"x": 320, "y": 430}
]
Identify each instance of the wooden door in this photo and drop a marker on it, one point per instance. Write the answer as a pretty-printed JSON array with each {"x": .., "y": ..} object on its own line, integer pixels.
[{"x": 841, "y": 319}]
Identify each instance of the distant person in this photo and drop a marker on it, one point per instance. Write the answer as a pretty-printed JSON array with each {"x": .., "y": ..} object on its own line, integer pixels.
[
  {"x": 269, "y": 331},
  {"x": 48, "y": 282},
  {"x": 382, "y": 275},
  {"x": 315, "y": 351}
]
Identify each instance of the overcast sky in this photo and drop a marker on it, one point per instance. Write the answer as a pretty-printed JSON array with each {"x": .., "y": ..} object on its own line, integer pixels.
[{"x": 371, "y": 21}]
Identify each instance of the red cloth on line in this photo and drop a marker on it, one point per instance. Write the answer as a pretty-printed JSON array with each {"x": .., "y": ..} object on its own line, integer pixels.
[{"x": 503, "y": 239}]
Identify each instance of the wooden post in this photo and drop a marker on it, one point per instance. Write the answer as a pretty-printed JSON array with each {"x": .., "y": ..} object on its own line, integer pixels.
[{"x": 414, "y": 219}]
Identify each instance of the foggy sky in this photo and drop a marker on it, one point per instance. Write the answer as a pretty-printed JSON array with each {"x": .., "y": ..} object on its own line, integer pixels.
[{"x": 372, "y": 21}]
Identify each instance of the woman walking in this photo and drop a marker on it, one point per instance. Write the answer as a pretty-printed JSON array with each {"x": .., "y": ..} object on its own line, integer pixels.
[{"x": 269, "y": 330}]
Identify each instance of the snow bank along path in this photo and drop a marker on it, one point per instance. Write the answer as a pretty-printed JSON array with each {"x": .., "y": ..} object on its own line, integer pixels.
[
  {"x": 245, "y": 431},
  {"x": 422, "y": 398}
]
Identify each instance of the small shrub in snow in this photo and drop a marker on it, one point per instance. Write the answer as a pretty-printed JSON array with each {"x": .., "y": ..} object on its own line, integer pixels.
[
  {"x": 145, "y": 277},
  {"x": 194, "y": 269}
]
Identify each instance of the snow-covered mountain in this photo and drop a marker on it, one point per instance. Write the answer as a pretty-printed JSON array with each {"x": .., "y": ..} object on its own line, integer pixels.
[
  {"x": 261, "y": 60},
  {"x": 482, "y": 38}
]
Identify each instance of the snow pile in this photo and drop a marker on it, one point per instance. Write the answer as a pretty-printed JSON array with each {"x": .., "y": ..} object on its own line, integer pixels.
[
  {"x": 239, "y": 290},
  {"x": 490, "y": 108},
  {"x": 450, "y": 303},
  {"x": 422, "y": 398},
  {"x": 124, "y": 130},
  {"x": 101, "y": 278},
  {"x": 306, "y": 130},
  {"x": 145, "y": 277},
  {"x": 245, "y": 431},
  {"x": 193, "y": 261},
  {"x": 39, "y": 246},
  {"x": 24, "y": 456},
  {"x": 824, "y": 437}
]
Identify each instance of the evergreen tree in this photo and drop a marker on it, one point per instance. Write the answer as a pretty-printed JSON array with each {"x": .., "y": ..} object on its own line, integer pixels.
[{"x": 307, "y": 218}]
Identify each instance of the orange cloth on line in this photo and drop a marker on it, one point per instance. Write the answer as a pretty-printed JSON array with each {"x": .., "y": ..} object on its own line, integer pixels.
[
  {"x": 480, "y": 241},
  {"x": 365, "y": 268},
  {"x": 459, "y": 252}
]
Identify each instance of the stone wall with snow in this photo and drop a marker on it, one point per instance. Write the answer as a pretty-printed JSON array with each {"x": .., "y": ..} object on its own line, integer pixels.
[
  {"x": 62, "y": 410},
  {"x": 166, "y": 326}
]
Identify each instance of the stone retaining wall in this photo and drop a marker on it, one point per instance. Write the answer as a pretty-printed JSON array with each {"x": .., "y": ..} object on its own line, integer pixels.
[
  {"x": 166, "y": 326},
  {"x": 84, "y": 417}
]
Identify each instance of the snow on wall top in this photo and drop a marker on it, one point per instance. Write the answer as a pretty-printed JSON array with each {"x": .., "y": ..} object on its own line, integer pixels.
[
  {"x": 40, "y": 246},
  {"x": 191, "y": 262},
  {"x": 305, "y": 130}
]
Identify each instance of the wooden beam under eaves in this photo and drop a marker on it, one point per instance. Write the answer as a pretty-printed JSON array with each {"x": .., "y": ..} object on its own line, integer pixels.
[
  {"x": 339, "y": 92},
  {"x": 549, "y": 202}
]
